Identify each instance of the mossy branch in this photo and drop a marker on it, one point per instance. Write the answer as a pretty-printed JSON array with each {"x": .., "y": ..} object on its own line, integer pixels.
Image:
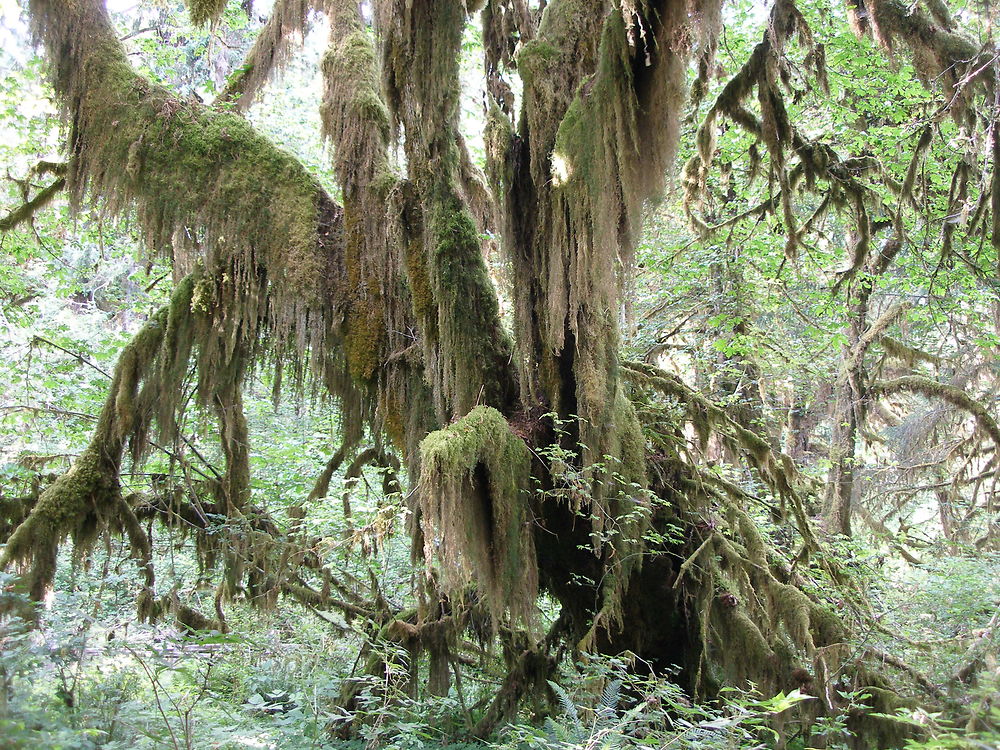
[
  {"x": 88, "y": 494},
  {"x": 201, "y": 181},
  {"x": 777, "y": 470},
  {"x": 27, "y": 210},
  {"x": 951, "y": 394}
]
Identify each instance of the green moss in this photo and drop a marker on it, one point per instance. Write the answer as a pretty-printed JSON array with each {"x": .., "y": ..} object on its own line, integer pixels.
[
  {"x": 355, "y": 117},
  {"x": 362, "y": 343},
  {"x": 203, "y": 182},
  {"x": 473, "y": 476},
  {"x": 746, "y": 639},
  {"x": 793, "y": 608},
  {"x": 205, "y": 11},
  {"x": 421, "y": 294},
  {"x": 476, "y": 352},
  {"x": 365, "y": 339},
  {"x": 535, "y": 59},
  {"x": 827, "y": 627}
]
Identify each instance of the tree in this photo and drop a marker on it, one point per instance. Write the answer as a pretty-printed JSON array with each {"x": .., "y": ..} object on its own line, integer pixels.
[{"x": 536, "y": 456}]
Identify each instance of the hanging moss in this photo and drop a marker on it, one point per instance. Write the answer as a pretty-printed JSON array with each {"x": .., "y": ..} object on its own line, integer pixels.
[
  {"x": 205, "y": 11},
  {"x": 355, "y": 119},
  {"x": 948, "y": 393},
  {"x": 270, "y": 52},
  {"x": 474, "y": 475},
  {"x": 365, "y": 338},
  {"x": 203, "y": 183},
  {"x": 424, "y": 304}
]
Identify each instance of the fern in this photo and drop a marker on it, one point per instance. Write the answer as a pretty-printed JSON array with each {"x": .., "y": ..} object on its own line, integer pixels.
[
  {"x": 608, "y": 710},
  {"x": 569, "y": 709}
]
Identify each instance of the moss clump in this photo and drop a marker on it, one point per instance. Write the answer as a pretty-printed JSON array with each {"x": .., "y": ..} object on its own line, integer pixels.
[
  {"x": 474, "y": 475},
  {"x": 205, "y": 11}
]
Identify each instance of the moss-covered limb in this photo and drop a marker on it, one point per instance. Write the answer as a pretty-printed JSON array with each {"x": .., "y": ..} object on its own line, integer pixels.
[
  {"x": 776, "y": 469},
  {"x": 322, "y": 485},
  {"x": 272, "y": 48},
  {"x": 196, "y": 174},
  {"x": 27, "y": 210},
  {"x": 951, "y": 394},
  {"x": 235, "y": 439},
  {"x": 869, "y": 333},
  {"x": 475, "y": 362},
  {"x": 355, "y": 118},
  {"x": 906, "y": 354},
  {"x": 441, "y": 208},
  {"x": 474, "y": 476},
  {"x": 88, "y": 495},
  {"x": 937, "y": 48}
]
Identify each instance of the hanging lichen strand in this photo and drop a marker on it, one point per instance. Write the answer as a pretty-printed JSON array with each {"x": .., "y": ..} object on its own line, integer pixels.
[
  {"x": 473, "y": 484},
  {"x": 467, "y": 353}
]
